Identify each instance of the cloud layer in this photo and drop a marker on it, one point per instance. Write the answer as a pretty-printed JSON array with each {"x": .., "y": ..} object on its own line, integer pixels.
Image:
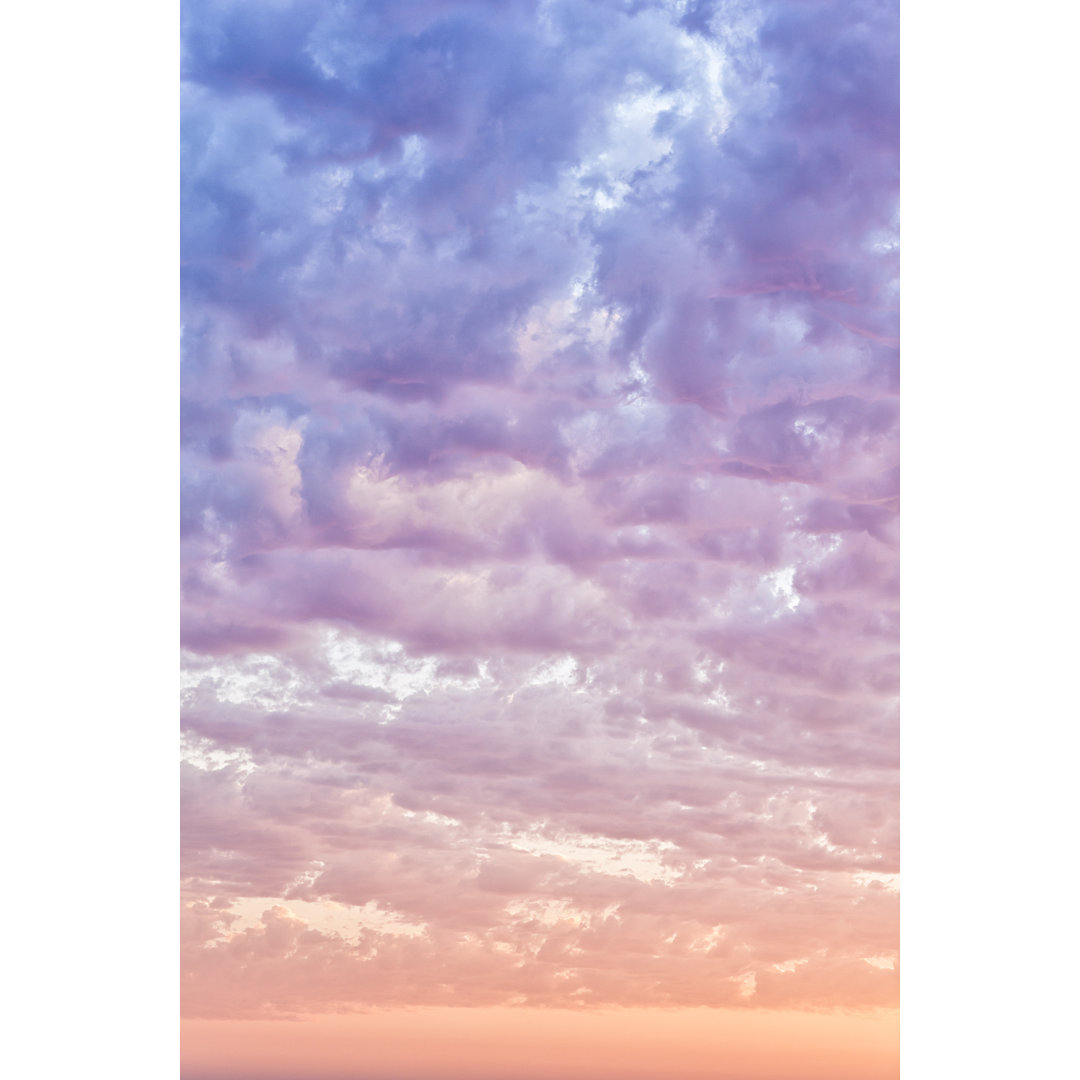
[{"x": 539, "y": 504}]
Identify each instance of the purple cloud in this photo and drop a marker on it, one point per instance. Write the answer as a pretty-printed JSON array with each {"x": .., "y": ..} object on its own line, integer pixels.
[{"x": 540, "y": 504}]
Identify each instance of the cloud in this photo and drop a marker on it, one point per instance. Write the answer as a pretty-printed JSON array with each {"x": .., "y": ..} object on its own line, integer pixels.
[{"x": 539, "y": 504}]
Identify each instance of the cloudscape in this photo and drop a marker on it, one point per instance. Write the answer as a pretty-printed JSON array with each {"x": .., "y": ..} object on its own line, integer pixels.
[{"x": 539, "y": 509}]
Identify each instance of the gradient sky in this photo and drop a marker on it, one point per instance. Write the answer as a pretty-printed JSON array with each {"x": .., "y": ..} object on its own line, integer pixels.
[{"x": 540, "y": 536}]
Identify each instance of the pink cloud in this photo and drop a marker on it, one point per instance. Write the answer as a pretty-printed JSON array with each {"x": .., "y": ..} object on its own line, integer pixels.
[{"x": 540, "y": 506}]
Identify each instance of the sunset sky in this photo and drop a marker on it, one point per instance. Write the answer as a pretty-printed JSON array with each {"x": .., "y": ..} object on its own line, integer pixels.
[{"x": 540, "y": 539}]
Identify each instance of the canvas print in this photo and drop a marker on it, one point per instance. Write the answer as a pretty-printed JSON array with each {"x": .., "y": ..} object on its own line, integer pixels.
[{"x": 539, "y": 539}]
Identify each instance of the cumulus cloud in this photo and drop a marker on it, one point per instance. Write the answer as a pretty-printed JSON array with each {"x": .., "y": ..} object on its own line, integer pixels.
[{"x": 540, "y": 504}]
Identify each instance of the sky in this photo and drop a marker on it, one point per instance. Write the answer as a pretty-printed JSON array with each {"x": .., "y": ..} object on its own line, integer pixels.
[{"x": 539, "y": 538}]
